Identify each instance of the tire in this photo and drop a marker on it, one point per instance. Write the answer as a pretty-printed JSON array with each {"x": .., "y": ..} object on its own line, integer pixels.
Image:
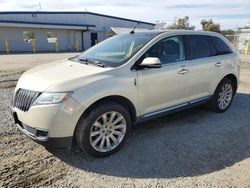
[
  {"x": 92, "y": 126},
  {"x": 215, "y": 103}
]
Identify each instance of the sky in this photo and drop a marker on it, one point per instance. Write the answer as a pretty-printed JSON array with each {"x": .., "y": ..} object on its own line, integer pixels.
[{"x": 229, "y": 13}]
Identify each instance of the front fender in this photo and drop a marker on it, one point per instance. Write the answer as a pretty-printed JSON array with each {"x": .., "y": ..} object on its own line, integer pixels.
[{"x": 111, "y": 86}]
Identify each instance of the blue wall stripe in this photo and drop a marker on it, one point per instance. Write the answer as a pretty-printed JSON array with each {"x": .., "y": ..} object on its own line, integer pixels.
[{"x": 45, "y": 23}]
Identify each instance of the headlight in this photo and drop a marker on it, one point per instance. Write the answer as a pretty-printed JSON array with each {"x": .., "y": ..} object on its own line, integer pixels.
[{"x": 51, "y": 98}]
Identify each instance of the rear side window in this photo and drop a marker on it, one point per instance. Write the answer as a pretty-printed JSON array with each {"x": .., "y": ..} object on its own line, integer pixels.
[
  {"x": 198, "y": 47},
  {"x": 220, "y": 46}
]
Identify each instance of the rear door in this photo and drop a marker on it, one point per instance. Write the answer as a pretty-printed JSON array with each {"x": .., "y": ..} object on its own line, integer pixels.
[{"x": 204, "y": 66}]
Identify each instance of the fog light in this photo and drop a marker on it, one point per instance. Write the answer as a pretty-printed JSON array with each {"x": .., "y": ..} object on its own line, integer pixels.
[{"x": 40, "y": 133}]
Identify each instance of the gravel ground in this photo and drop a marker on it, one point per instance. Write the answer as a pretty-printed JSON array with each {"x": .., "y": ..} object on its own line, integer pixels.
[{"x": 191, "y": 148}]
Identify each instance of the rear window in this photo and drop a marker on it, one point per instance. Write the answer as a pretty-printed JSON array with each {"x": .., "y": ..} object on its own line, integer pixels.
[
  {"x": 198, "y": 47},
  {"x": 220, "y": 46}
]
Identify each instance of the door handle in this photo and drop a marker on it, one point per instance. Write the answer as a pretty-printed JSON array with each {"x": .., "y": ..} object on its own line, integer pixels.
[
  {"x": 183, "y": 71},
  {"x": 218, "y": 64}
]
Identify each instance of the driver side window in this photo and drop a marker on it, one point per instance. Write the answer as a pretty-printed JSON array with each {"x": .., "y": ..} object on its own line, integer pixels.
[{"x": 168, "y": 50}]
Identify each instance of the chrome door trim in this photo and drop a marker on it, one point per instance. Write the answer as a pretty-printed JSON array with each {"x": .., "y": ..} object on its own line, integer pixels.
[
  {"x": 186, "y": 104},
  {"x": 199, "y": 100},
  {"x": 165, "y": 110}
]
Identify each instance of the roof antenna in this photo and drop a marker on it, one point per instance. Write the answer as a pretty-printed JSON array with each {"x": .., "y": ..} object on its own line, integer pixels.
[{"x": 133, "y": 30}]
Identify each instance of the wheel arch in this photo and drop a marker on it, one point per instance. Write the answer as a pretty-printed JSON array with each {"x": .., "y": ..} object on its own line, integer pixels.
[
  {"x": 234, "y": 80},
  {"x": 114, "y": 98},
  {"x": 231, "y": 77}
]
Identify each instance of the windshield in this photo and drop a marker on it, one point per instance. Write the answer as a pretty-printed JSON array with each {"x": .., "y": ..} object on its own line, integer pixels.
[{"x": 116, "y": 50}]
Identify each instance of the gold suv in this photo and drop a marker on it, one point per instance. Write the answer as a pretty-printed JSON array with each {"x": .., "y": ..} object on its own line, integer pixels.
[{"x": 94, "y": 98}]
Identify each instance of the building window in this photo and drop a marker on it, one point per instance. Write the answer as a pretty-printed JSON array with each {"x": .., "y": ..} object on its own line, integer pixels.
[
  {"x": 29, "y": 36},
  {"x": 52, "y": 37}
]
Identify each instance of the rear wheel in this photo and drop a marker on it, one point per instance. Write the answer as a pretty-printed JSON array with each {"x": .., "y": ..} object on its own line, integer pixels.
[
  {"x": 222, "y": 97},
  {"x": 104, "y": 130}
]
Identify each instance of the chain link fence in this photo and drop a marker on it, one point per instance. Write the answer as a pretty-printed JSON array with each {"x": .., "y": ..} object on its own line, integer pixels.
[{"x": 241, "y": 41}]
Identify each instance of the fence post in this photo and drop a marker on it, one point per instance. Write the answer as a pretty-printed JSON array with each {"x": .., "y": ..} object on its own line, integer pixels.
[
  {"x": 34, "y": 46},
  {"x": 247, "y": 48},
  {"x": 6, "y": 44},
  {"x": 56, "y": 45},
  {"x": 77, "y": 45}
]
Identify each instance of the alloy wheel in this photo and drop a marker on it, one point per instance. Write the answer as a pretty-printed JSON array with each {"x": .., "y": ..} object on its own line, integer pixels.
[
  {"x": 108, "y": 131},
  {"x": 225, "y": 96}
]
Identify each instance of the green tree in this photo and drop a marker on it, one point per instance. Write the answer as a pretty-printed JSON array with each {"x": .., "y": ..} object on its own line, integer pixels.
[
  {"x": 227, "y": 32},
  {"x": 182, "y": 23},
  {"x": 209, "y": 25}
]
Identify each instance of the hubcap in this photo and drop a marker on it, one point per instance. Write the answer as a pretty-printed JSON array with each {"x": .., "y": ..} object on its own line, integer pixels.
[
  {"x": 108, "y": 131},
  {"x": 225, "y": 96}
]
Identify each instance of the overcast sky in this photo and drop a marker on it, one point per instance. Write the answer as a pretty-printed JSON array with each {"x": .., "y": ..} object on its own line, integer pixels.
[{"x": 229, "y": 13}]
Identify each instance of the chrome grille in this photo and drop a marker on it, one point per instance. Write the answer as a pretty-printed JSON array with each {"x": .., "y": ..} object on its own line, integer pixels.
[{"x": 24, "y": 99}]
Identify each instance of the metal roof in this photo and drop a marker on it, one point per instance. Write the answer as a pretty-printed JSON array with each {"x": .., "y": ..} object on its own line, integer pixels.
[
  {"x": 72, "y": 12},
  {"x": 123, "y": 30}
]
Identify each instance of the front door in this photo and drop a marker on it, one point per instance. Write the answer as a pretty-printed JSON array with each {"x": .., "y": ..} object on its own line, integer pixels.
[{"x": 165, "y": 87}]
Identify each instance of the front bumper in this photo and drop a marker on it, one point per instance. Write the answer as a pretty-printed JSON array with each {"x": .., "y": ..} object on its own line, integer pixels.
[
  {"x": 35, "y": 134},
  {"x": 50, "y": 125},
  {"x": 41, "y": 136}
]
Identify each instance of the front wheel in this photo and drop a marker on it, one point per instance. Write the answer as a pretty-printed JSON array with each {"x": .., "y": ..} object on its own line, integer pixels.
[
  {"x": 223, "y": 96},
  {"x": 104, "y": 129}
]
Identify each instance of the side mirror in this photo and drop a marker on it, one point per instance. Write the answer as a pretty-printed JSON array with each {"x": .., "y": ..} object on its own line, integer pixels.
[{"x": 150, "y": 62}]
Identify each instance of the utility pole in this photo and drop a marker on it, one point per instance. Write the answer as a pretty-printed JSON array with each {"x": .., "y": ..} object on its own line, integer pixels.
[
  {"x": 235, "y": 37},
  {"x": 40, "y": 6},
  {"x": 175, "y": 18}
]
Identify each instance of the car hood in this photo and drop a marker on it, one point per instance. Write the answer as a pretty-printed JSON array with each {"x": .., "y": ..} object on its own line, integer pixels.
[{"x": 59, "y": 76}]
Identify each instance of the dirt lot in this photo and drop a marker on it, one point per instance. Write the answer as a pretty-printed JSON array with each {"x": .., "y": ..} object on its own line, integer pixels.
[{"x": 192, "y": 148}]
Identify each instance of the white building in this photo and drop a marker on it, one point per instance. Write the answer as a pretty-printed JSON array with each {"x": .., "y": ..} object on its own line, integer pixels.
[
  {"x": 122, "y": 30},
  {"x": 57, "y": 31}
]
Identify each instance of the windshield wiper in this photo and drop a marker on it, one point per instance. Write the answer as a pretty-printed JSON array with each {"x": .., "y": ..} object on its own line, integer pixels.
[
  {"x": 97, "y": 63},
  {"x": 84, "y": 60}
]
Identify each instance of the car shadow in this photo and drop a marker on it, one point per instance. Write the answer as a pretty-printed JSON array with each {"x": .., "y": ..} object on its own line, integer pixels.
[{"x": 188, "y": 143}]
